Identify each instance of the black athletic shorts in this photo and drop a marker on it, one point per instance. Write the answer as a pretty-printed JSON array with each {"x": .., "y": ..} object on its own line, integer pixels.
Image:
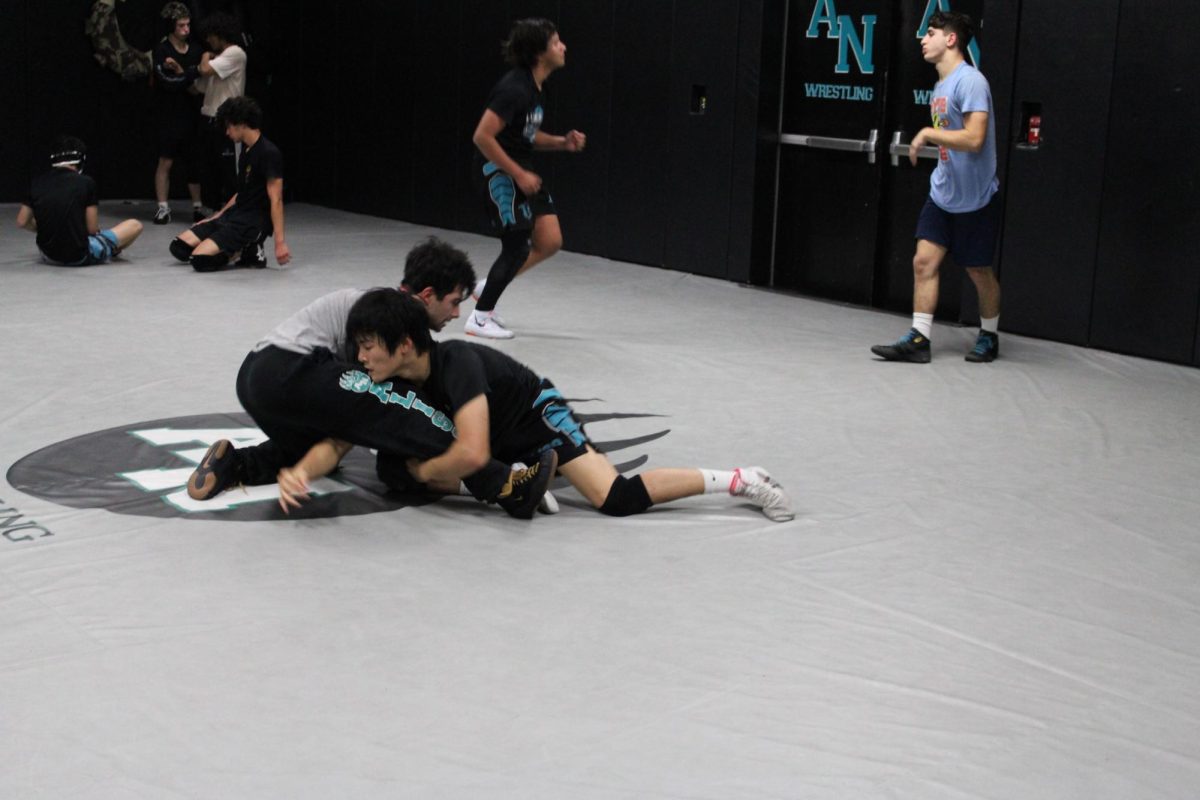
[
  {"x": 551, "y": 424},
  {"x": 231, "y": 235},
  {"x": 507, "y": 206},
  {"x": 178, "y": 138}
]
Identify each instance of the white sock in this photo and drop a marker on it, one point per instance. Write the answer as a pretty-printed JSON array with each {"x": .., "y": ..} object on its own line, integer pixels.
[
  {"x": 163, "y": 207},
  {"x": 717, "y": 481},
  {"x": 463, "y": 490},
  {"x": 991, "y": 325},
  {"x": 923, "y": 323}
]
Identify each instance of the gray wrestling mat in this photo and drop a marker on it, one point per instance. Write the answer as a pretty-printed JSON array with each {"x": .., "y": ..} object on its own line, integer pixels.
[{"x": 989, "y": 591}]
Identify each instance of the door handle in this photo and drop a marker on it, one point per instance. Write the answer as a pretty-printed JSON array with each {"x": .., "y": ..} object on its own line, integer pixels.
[
  {"x": 867, "y": 145},
  {"x": 899, "y": 148}
]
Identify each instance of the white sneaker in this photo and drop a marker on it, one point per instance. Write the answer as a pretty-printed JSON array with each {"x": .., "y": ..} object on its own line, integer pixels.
[
  {"x": 757, "y": 486},
  {"x": 489, "y": 328}
]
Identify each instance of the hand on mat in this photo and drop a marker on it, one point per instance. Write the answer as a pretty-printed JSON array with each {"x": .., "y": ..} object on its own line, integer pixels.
[
  {"x": 282, "y": 254},
  {"x": 293, "y": 487}
]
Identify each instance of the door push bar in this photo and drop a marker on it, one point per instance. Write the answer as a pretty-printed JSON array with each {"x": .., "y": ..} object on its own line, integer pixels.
[
  {"x": 899, "y": 149},
  {"x": 867, "y": 145}
]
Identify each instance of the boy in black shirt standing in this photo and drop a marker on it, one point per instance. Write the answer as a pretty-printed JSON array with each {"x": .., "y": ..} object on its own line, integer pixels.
[
  {"x": 501, "y": 410},
  {"x": 506, "y": 136},
  {"x": 62, "y": 209},
  {"x": 177, "y": 109},
  {"x": 254, "y": 212}
]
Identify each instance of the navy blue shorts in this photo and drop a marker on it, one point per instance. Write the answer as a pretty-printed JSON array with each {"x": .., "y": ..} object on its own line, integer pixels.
[
  {"x": 970, "y": 237},
  {"x": 508, "y": 207}
]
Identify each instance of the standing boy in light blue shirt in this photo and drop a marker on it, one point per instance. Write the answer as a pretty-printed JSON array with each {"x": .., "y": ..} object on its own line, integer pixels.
[{"x": 961, "y": 215}]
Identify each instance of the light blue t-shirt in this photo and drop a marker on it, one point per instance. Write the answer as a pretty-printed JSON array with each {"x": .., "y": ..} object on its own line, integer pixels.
[{"x": 963, "y": 181}]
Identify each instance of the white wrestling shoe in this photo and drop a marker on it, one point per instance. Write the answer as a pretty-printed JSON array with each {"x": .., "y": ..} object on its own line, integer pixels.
[
  {"x": 488, "y": 328},
  {"x": 757, "y": 486}
]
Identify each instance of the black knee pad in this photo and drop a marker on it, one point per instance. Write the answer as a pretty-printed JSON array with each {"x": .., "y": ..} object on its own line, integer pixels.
[
  {"x": 210, "y": 263},
  {"x": 626, "y": 496},
  {"x": 181, "y": 249}
]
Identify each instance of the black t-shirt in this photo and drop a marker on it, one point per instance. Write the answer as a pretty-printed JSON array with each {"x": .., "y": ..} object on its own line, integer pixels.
[
  {"x": 59, "y": 199},
  {"x": 461, "y": 371},
  {"x": 173, "y": 97},
  {"x": 258, "y": 164},
  {"x": 517, "y": 100}
]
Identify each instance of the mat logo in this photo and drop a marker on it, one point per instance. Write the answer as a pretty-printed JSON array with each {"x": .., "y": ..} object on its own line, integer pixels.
[
  {"x": 931, "y": 8},
  {"x": 16, "y": 527},
  {"x": 850, "y": 42},
  {"x": 142, "y": 470}
]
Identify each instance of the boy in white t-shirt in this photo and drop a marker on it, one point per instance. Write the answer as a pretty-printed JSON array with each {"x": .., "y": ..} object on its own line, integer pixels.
[{"x": 221, "y": 76}]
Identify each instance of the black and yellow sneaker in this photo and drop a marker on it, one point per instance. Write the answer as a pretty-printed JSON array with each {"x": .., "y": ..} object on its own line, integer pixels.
[
  {"x": 219, "y": 469},
  {"x": 913, "y": 346},
  {"x": 526, "y": 487},
  {"x": 987, "y": 348}
]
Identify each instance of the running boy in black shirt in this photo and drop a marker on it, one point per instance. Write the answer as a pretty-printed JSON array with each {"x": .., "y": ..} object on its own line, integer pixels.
[
  {"x": 500, "y": 409},
  {"x": 63, "y": 210},
  {"x": 507, "y": 134},
  {"x": 254, "y": 212}
]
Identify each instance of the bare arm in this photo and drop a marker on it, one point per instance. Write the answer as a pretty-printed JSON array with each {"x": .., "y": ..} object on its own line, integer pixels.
[
  {"x": 489, "y": 127},
  {"x": 318, "y": 462},
  {"x": 469, "y": 452},
  {"x": 92, "y": 216},
  {"x": 969, "y": 138},
  {"x": 572, "y": 142},
  {"x": 204, "y": 67},
  {"x": 25, "y": 218},
  {"x": 275, "y": 192}
]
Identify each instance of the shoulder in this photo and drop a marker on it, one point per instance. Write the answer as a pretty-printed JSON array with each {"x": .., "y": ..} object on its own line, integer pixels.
[
  {"x": 971, "y": 79},
  {"x": 267, "y": 148}
]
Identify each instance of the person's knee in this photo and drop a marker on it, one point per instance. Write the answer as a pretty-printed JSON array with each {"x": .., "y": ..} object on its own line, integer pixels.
[
  {"x": 134, "y": 227},
  {"x": 181, "y": 249},
  {"x": 626, "y": 496},
  {"x": 925, "y": 266},
  {"x": 549, "y": 243}
]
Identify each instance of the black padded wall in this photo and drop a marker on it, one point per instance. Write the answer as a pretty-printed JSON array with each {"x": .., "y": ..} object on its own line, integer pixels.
[
  {"x": 582, "y": 98},
  {"x": 1052, "y": 192},
  {"x": 1148, "y": 273},
  {"x": 15, "y": 149},
  {"x": 639, "y": 154},
  {"x": 702, "y": 107}
]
